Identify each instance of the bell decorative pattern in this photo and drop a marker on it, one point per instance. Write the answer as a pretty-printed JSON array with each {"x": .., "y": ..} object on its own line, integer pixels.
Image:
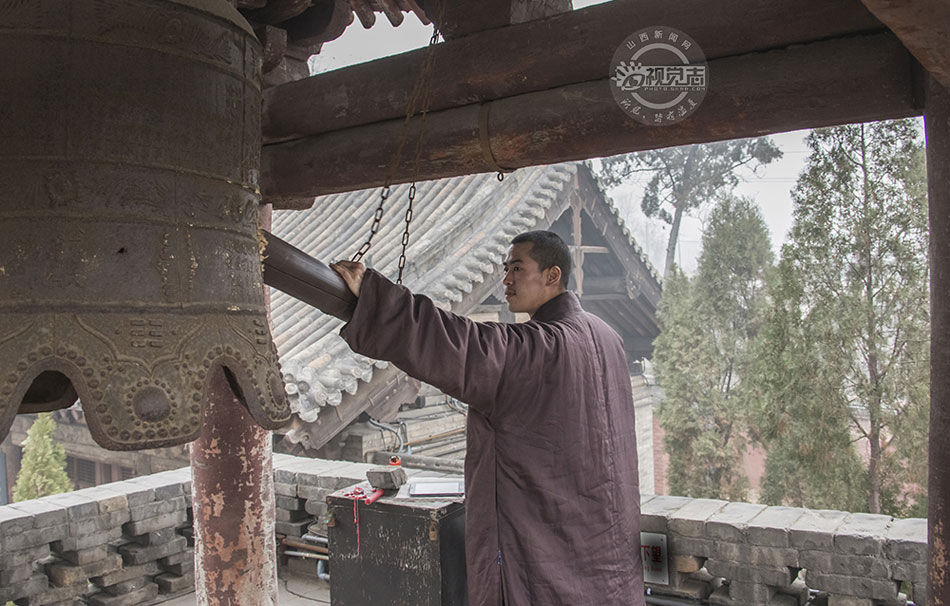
[{"x": 130, "y": 268}]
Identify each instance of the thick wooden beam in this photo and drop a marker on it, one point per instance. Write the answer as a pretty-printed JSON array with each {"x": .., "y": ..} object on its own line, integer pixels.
[
  {"x": 819, "y": 84},
  {"x": 937, "y": 126},
  {"x": 538, "y": 55},
  {"x": 924, "y": 28}
]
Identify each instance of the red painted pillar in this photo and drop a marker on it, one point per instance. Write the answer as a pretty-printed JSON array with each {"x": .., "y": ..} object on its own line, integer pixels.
[
  {"x": 233, "y": 490},
  {"x": 938, "y": 189}
]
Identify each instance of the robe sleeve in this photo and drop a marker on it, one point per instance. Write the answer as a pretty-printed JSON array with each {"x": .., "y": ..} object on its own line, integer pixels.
[{"x": 461, "y": 357}]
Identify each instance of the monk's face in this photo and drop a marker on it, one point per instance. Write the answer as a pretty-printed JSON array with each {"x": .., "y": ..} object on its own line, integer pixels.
[{"x": 527, "y": 287}]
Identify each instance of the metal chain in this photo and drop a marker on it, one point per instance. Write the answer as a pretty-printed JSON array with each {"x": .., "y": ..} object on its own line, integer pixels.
[
  {"x": 405, "y": 234},
  {"x": 377, "y": 217},
  {"x": 426, "y": 93},
  {"x": 421, "y": 91}
]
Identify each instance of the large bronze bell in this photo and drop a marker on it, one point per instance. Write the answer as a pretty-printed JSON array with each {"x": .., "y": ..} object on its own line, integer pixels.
[{"x": 129, "y": 251}]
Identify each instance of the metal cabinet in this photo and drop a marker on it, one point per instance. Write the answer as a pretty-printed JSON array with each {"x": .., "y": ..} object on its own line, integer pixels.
[{"x": 397, "y": 551}]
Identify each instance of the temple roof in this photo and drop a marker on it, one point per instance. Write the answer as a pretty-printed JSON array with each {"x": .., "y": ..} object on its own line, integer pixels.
[{"x": 460, "y": 232}]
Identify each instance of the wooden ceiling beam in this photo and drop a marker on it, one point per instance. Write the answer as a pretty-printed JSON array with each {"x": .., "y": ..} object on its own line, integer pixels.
[
  {"x": 860, "y": 78},
  {"x": 463, "y": 17},
  {"x": 568, "y": 48},
  {"x": 924, "y": 28}
]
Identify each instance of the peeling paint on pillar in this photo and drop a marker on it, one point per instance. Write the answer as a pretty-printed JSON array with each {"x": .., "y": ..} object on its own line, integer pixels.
[
  {"x": 938, "y": 189},
  {"x": 233, "y": 490}
]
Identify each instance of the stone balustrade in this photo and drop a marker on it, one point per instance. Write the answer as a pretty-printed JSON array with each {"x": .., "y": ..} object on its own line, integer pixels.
[
  {"x": 740, "y": 553},
  {"x": 130, "y": 543}
]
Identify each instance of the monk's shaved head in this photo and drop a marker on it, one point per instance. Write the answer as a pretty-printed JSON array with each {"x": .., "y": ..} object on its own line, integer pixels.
[{"x": 548, "y": 250}]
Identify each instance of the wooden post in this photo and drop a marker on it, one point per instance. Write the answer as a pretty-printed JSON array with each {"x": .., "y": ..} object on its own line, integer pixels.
[
  {"x": 234, "y": 504},
  {"x": 938, "y": 189},
  {"x": 577, "y": 247}
]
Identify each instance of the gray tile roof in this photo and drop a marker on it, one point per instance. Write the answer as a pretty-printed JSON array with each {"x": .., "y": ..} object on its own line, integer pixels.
[{"x": 459, "y": 234}]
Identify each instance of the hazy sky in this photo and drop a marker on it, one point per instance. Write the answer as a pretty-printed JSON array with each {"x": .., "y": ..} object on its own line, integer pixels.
[{"x": 770, "y": 187}]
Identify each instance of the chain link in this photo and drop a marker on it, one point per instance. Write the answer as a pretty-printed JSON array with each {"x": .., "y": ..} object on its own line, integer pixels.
[
  {"x": 420, "y": 92},
  {"x": 405, "y": 234},
  {"x": 377, "y": 218}
]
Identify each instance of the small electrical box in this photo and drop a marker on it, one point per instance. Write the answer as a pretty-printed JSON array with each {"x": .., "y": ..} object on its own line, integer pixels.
[{"x": 398, "y": 550}]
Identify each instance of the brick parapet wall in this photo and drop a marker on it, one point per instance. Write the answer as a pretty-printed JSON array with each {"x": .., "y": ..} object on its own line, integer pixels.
[
  {"x": 741, "y": 553},
  {"x": 130, "y": 543}
]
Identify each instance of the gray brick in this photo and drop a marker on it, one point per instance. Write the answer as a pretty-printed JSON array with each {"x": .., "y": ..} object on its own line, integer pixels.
[
  {"x": 110, "y": 499},
  {"x": 168, "y": 520},
  {"x": 161, "y": 485},
  {"x": 173, "y": 583},
  {"x": 156, "y": 508},
  {"x": 98, "y": 523},
  {"x": 316, "y": 507},
  {"x": 77, "y": 505},
  {"x": 17, "y": 574},
  {"x": 128, "y": 586},
  {"x": 771, "y": 527},
  {"x": 157, "y": 537},
  {"x": 289, "y": 503},
  {"x": 730, "y": 522},
  {"x": 33, "y": 537},
  {"x": 691, "y": 589},
  {"x": 847, "y": 600},
  {"x": 177, "y": 558},
  {"x": 139, "y": 554},
  {"x": 735, "y": 571},
  {"x": 283, "y": 515},
  {"x": 35, "y": 584},
  {"x": 43, "y": 512},
  {"x": 690, "y": 519},
  {"x": 56, "y": 595},
  {"x": 87, "y": 541},
  {"x": 334, "y": 482},
  {"x": 388, "y": 478},
  {"x": 286, "y": 489},
  {"x": 843, "y": 564},
  {"x": 685, "y": 563},
  {"x": 135, "y": 493},
  {"x": 62, "y": 574},
  {"x": 663, "y": 505},
  {"x": 770, "y": 556},
  {"x": 85, "y": 556},
  {"x": 14, "y": 520},
  {"x": 126, "y": 573},
  {"x": 182, "y": 568},
  {"x": 783, "y": 599},
  {"x": 285, "y": 476},
  {"x": 750, "y": 593},
  {"x": 915, "y": 572},
  {"x": 862, "y": 534},
  {"x": 313, "y": 493},
  {"x": 292, "y": 529},
  {"x": 906, "y": 540},
  {"x": 815, "y": 529},
  {"x": 693, "y": 546},
  {"x": 149, "y": 592},
  {"x": 860, "y": 587},
  {"x": 16, "y": 558}
]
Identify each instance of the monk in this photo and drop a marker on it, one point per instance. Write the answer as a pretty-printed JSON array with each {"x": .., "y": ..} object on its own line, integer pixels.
[{"x": 552, "y": 510}]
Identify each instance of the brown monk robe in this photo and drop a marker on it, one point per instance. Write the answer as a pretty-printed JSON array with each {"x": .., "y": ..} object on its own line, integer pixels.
[{"x": 552, "y": 503}]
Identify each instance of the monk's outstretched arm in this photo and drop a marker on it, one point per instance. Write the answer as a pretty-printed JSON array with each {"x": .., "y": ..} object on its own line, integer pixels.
[{"x": 463, "y": 358}]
